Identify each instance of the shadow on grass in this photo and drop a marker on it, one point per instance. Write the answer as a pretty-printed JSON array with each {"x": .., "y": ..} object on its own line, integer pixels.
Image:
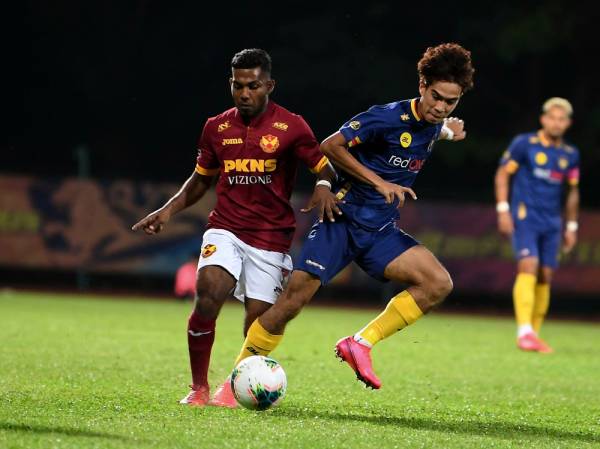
[
  {"x": 36, "y": 428},
  {"x": 467, "y": 426}
]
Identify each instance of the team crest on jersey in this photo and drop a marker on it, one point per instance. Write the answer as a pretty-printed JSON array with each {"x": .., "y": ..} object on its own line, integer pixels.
[
  {"x": 223, "y": 126},
  {"x": 355, "y": 125},
  {"x": 563, "y": 163},
  {"x": 269, "y": 143},
  {"x": 405, "y": 117},
  {"x": 541, "y": 158},
  {"x": 405, "y": 140},
  {"x": 281, "y": 126},
  {"x": 208, "y": 250}
]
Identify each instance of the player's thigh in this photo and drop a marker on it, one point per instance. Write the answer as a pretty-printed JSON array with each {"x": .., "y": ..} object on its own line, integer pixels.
[
  {"x": 214, "y": 283},
  {"x": 263, "y": 274},
  {"x": 327, "y": 250},
  {"x": 549, "y": 249},
  {"x": 525, "y": 243},
  {"x": 383, "y": 248},
  {"x": 418, "y": 266}
]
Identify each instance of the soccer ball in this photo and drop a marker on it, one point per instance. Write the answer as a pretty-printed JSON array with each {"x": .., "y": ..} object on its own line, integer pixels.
[{"x": 258, "y": 382}]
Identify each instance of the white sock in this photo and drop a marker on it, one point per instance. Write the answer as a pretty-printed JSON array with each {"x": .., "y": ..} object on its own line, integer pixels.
[
  {"x": 359, "y": 339},
  {"x": 524, "y": 329}
]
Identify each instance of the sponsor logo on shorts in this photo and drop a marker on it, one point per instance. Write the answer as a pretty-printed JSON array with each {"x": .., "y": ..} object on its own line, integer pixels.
[
  {"x": 269, "y": 143},
  {"x": 414, "y": 165},
  {"x": 563, "y": 163},
  {"x": 278, "y": 290},
  {"x": 208, "y": 250},
  {"x": 524, "y": 252},
  {"x": 314, "y": 264}
]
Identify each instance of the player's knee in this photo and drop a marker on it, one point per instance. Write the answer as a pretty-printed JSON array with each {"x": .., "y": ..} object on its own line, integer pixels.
[
  {"x": 208, "y": 300},
  {"x": 440, "y": 286}
]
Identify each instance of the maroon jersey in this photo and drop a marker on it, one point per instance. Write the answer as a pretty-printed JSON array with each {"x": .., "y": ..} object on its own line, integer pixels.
[{"x": 257, "y": 165}]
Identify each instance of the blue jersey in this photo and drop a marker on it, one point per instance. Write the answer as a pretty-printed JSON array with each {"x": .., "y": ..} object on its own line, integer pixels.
[
  {"x": 393, "y": 141},
  {"x": 540, "y": 171}
]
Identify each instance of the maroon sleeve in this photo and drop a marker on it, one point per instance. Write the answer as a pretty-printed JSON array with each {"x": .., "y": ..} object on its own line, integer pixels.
[
  {"x": 207, "y": 163},
  {"x": 306, "y": 147}
]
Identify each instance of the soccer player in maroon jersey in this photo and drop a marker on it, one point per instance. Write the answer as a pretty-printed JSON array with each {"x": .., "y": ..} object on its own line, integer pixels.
[{"x": 255, "y": 147}]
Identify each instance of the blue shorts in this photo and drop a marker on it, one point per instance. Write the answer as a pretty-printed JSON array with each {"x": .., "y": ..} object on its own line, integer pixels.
[
  {"x": 330, "y": 247},
  {"x": 529, "y": 242}
]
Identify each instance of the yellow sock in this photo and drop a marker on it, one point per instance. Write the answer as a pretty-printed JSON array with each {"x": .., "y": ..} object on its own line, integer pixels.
[
  {"x": 401, "y": 311},
  {"x": 258, "y": 342},
  {"x": 540, "y": 307},
  {"x": 523, "y": 297}
]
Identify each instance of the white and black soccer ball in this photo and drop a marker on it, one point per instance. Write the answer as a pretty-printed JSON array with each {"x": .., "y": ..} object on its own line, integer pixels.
[{"x": 258, "y": 382}]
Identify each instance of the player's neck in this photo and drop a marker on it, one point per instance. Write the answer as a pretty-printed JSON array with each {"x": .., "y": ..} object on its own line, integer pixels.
[
  {"x": 554, "y": 141},
  {"x": 249, "y": 119}
]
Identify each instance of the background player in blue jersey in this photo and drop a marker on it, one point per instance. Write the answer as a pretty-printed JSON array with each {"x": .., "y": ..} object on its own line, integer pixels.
[
  {"x": 540, "y": 164},
  {"x": 379, "y": 153}
]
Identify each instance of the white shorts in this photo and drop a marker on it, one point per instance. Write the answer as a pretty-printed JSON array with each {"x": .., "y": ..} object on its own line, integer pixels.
[{"x": 260, "y": 274}]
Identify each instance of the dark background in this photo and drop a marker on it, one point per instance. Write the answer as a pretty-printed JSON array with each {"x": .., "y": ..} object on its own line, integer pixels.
[{"x": 134, "y": 81}]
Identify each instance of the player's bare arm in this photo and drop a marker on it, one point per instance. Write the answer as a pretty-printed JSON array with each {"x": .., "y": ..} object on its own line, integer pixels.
[
  {"x": 190, "y": 192},
  {"x": 322, "y": 199},
  {"x": 335, "y": 148},
  {"x": 501, "y": 184},
  {"x": 571, "y": 214}
]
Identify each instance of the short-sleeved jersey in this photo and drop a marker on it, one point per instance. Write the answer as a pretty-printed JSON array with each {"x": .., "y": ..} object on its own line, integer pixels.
[
  {"x": 257, "y": 164},
  {"x": 393, "y": 141},
  {"x": 539, "y": 170}
]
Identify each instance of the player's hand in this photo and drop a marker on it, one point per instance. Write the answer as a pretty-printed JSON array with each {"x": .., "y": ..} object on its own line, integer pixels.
[
  {"x": 569, "y": 241},
  {"x": 391, "y": 191},
  {"x": 325, "y": 202},
  {"x": 154, "y": 222},
  {"x": 505, "y": 223},
  {"x": 458, "y": 128}
]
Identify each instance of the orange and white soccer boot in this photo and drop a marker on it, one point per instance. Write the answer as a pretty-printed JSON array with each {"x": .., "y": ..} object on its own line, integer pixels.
[
  {"x": 197, "y": 397},
  {"x": 224, "y": 396}
]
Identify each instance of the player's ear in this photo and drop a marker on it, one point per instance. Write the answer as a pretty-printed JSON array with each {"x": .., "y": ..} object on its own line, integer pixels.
[
  {"x": 422, "y": 87},
  {"x": 270, "y": 86}
]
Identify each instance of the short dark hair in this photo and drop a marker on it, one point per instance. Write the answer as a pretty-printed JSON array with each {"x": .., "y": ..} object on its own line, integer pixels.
[
  {"x": 447, "y": 62},
  {"x": 251, "y": 58}
]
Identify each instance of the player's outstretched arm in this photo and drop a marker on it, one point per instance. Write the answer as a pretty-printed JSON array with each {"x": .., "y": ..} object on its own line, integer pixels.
[
  {"x": 190, "y": 192},
  {"x": 571, "y": 214},
  {"x": 325, "y": 202},
  {"x": 453, "y": 129},
  {"x": 336, "y": 149},
  {"x": 501, "y": 187}
]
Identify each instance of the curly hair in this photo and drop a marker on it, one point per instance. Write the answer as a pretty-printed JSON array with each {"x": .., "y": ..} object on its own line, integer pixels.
[
  {"x": 447, "y": 62},
  {"x": 250, "y": 58}
]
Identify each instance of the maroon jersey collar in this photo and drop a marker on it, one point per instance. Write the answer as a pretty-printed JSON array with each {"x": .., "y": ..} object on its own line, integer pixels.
[{"x": 258, "y": 120}]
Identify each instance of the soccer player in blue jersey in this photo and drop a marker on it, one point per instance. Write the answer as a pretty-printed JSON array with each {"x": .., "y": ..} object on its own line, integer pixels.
[
  {"x": 539, "y": 164},
  {"x": 379, "y": 154}
]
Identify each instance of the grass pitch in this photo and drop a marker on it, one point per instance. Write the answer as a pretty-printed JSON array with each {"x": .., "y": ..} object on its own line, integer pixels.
[{"x": 94, "y": 372}]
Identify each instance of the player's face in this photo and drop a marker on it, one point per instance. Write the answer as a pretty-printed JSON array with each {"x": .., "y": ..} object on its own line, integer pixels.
[
  {"x": 438, "y": 100},
  {"x": 250, "y": 89},
  {"x": 555, "y": 122}
]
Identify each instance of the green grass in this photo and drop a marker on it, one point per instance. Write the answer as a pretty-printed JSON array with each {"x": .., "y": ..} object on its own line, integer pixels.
[{"x": 94, "y": 372}]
